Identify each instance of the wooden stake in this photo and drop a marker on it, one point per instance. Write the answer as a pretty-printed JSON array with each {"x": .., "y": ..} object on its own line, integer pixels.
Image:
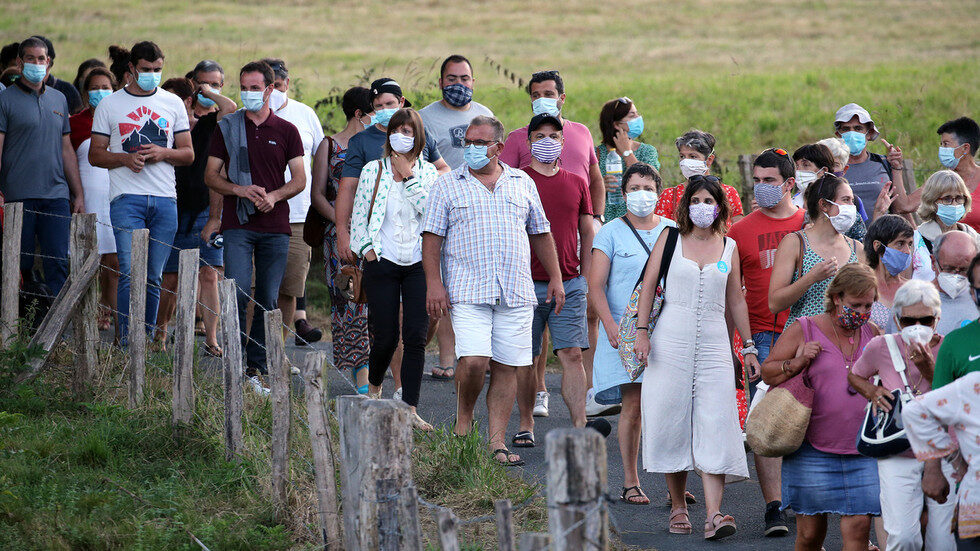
[
  {"x": 13, "y": 224},
  {"x": 576, "y": 480},
  {"x": 86, "y": 320},
  {"x": 448, "y": 526},
  {"x": 231, "y": 359},
  {"x": 279, "y": 373},
  {"x": 183, "y": 396},
  {"x": 314, "y": 391},
  {"x": 140, "y": 246},
  {"x": 505, "y": 525}
]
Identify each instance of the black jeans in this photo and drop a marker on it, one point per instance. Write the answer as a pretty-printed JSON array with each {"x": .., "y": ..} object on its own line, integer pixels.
[{"x": 387, "y": 284}]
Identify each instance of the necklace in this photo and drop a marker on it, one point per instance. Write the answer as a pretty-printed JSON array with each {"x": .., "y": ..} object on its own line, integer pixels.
[{"x": 848, "y": 360}]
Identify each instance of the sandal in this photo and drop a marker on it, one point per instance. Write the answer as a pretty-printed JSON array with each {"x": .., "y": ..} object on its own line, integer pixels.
[
  {"x": 717, "y": 530},
  {"x": 363, "y": 389},
  {"x": 507, "y": 454},
  {"x": 199, "y": 328},
  {"x": 679, "y": 526},
  {"x": 639, "y": 498},
  {"x": 421, "y": 424},
  {"x": 447, "y": 373},
  {"x": 688, "y": 497},
  {"x": 213, "y": 350},
  {"x": 523, "y": 439}
]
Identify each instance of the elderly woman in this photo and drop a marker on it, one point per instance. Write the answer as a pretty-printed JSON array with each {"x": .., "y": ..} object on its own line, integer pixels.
[
  {"x": 945, "y": 202},
  {"x": 696, "y": 150},
  {"x": 916, "y": 310},
  {"x": 826, "y": 475}
]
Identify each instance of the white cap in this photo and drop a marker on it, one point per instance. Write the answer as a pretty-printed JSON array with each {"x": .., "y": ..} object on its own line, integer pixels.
[{"x": 846, "y": 113}]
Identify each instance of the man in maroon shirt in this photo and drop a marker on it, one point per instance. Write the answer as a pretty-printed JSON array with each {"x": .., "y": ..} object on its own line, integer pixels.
[
  {"x": 256, "y": 147},
  {"x": 566, "y": 201}
]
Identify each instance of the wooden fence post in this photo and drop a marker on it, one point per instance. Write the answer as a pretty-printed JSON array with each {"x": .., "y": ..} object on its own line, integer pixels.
[
  {"x": 13, "y": 223},
  {"x": 505, "y": 524},
  {"x": 448, "y": 526},
  {"x": 408, "y": 513},
  {"x": 275, "y": 353},
  {"x": 137, "y": 315},
  {"x": 535, "y": 541},
  {"x": 745, "y": 170},
  {"x": 576, "y": 482},
  {"x": 314, "y": 390},
  {"x": 375, "y": 444},
  {"x": 231, "y": 358},
  {"x": 84, "y": 242},
  {"x": 183, "y": 398}
]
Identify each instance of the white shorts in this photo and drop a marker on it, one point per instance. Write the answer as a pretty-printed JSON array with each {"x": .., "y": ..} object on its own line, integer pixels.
[{"x": 499, "y": 332}]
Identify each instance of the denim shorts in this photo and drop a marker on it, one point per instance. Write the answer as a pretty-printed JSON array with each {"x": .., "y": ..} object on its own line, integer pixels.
[
  {"x": 816, "y": 482},
  {"x": 569, "y": 327},
  {"x": 185, "y": 239}
]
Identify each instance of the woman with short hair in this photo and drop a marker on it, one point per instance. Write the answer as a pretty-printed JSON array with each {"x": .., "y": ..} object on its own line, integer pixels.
[{"x": 945, "y": 202}]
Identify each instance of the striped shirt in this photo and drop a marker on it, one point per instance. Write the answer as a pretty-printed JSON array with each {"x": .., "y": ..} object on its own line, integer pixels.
[{"x": 486, "y": 256}]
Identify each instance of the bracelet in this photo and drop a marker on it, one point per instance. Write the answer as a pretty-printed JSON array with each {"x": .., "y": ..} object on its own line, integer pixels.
[
  {"x": 783, "y": 367},
  {"x": 750, "y": 350},
  {"x": 643, "y": 329},
  {"x": 749, "y": 343}
]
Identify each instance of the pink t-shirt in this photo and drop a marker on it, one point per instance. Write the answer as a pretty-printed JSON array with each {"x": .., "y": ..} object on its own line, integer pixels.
[
  {"x": 577, "y": 155},
  {"x": 875, "y": 360}
]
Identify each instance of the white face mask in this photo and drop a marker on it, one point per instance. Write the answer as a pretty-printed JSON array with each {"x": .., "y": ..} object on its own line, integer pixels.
[
  {"x": 400, "y": 143},
  {"x": 804, "y": 178},
  {"x": 921, "y": 334},
  {"x": 693, "y": 167},
  {"x": 641, "y": 202},
  {"x": 844, "y": 219},
  {"x": 953, "y": 285},
  {"x": 277, "y": 100}
]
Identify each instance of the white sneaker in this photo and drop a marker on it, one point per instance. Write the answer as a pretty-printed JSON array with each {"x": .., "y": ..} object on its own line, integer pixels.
[
  {"x": 258, "y": 386},
  {"x": 397, "y": 395},
  {"x": 541, "y": 404},
  {"x": 593, "y": 408}
]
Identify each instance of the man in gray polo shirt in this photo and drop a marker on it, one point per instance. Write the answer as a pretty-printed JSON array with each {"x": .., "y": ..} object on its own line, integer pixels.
[{"x": 38, "y": 166}]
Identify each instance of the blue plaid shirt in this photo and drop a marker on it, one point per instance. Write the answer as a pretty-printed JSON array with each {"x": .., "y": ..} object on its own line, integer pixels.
[{"x": 486, "y": 256}]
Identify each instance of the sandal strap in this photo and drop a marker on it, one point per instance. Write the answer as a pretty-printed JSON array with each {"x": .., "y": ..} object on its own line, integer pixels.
[
  {"x": 626, "y": 490},
  {"x": 677, "y": 512}
]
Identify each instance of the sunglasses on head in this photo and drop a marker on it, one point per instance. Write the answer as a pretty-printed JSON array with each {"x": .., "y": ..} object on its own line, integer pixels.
[
  {"x": 625, "y": 100},
  {"x": 778, "y": 151},
  {"x": 706, "y": 178},
  {"x": 907, "y": 321}
]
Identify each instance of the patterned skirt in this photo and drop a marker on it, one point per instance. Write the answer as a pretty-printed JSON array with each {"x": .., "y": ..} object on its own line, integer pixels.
[{"x": 351, "y": 341}]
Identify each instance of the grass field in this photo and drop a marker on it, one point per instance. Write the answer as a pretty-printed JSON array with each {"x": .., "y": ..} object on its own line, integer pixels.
[{"x": 756, "y": 74}]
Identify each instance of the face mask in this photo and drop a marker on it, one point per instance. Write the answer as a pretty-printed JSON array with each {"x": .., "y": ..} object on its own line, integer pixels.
[
  {"x": 96, "y": 96},
  {"x": 767, "y": 195},
  {"x": 850, "y": 318},
  {"x": 950, "y": 214},
  {"x": 921, "y": 334},
  {"x": 34, "y": 72},
  {"x": 947, "y": 156},
  {"x": 253, "y": 100},
  {"x": 204, "y": 102},
  {"x": 148, "y": 81},
  {"x": 703, "y": 214},
  {"x": 457, "y": 94},
  {"x": 855, "y": 141},
  {"x": 545, "y": 105},
  {"x": 546, "y": 150},
  {"x": 400, "y": 143},
  {"x": 804, "y": 178},
  {"x": 635, "y": 127},
  {"x": 476, "y": 156},
  {"x": 693, "y": 167},
  {"x": 277, "y": 99},
  {"x": 641, "y": 202},
  {"x": 895, "y": 261},
  {"x": 952, "y": 284},
  {"x": 382, "y": 116},
  {"x": 844, "y": 219}
]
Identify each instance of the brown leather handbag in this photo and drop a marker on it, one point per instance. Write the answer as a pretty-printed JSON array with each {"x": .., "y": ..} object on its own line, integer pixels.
[{"x": 350, "y": 280}]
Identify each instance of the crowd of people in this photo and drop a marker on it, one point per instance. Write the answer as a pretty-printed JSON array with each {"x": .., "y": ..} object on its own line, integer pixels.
[{"x": 507, "y": 246}]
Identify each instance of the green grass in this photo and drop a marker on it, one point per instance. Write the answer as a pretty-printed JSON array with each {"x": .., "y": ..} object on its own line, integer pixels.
[{"x": 756, "y": 74}]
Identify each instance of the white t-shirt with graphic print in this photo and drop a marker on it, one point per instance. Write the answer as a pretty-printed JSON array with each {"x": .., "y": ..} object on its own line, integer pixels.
[{"x": 131, "y": 121}]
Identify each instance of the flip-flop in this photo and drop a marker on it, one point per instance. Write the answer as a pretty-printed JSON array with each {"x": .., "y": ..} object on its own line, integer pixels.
[
  {"x": 717, "y": 530},
  {"x": 507, "y": 453},
  {"x": 638, "y": 495},
  {"x": 527, "y": 438},
  {"x": 443, "y": 376},
  {"x": 213, "y": 351}
]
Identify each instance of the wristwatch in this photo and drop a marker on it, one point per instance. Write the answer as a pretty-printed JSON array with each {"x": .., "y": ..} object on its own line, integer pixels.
[
  {"x": 627, "y": 153},
  {"x": 600, "y": 217}
]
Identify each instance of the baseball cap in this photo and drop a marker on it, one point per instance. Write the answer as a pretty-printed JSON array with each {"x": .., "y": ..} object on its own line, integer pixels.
[
  {"x": 847, "y": 113},
  {"x": 388, "y": 86},
  {"x": 538, "y": 120}
]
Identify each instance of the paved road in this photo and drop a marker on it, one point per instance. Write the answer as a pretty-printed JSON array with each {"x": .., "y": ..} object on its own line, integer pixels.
[{"x": 642, "y": 526}]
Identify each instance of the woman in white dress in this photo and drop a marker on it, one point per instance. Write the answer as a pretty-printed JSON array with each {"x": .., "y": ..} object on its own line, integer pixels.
[{"x": 690, "y": 418}]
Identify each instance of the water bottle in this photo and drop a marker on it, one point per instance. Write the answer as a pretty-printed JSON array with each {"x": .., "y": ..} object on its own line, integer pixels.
[{"x": 614, "y": 167}]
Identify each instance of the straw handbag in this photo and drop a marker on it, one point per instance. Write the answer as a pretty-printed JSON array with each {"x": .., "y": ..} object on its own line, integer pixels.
[{"x": 777, "y": 424}]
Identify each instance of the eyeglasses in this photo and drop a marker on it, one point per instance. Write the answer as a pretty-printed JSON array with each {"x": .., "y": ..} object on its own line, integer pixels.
[
  {"x": 906, "y": 321},
  {"x": 479, "y": 143},
  {"x": 955, "y": 270},
  {"x": 952, "y": 200}
]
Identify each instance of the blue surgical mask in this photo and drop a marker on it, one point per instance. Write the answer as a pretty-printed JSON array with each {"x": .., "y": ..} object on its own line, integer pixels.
[
  {"x": 545, "y": 105},
  {"x": 204, "y": 101},
  {"x": 148, "y": 81},
  {"x": 382, "y": 116},
  {"x": 34, "y": 72},
  {"x": 950, "y": 214},
  {"x": 476, "y": 156},
  {"x": 947, "y": 156},
  {"x": 895, "y": 261},
  {"x": 96, "y": 96},
  {"x": 253, "y": 100},
  {"x": 635, "y": 127},
  {"x": 855, "y": 141}
]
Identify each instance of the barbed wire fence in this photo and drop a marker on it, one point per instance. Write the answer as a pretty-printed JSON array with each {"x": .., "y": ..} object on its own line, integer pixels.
[{"x": 398, "y": 518}]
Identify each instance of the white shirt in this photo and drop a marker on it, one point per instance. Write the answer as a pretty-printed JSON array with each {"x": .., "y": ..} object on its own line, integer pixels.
[
  {"x": 399, "y": 235},
  {"x": 304, "y": 118},
  {"x": 130, "y": 121}
]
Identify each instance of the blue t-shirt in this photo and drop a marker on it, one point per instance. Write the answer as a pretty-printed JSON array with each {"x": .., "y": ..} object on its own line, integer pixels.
[{"x": 368, "y": 145}]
